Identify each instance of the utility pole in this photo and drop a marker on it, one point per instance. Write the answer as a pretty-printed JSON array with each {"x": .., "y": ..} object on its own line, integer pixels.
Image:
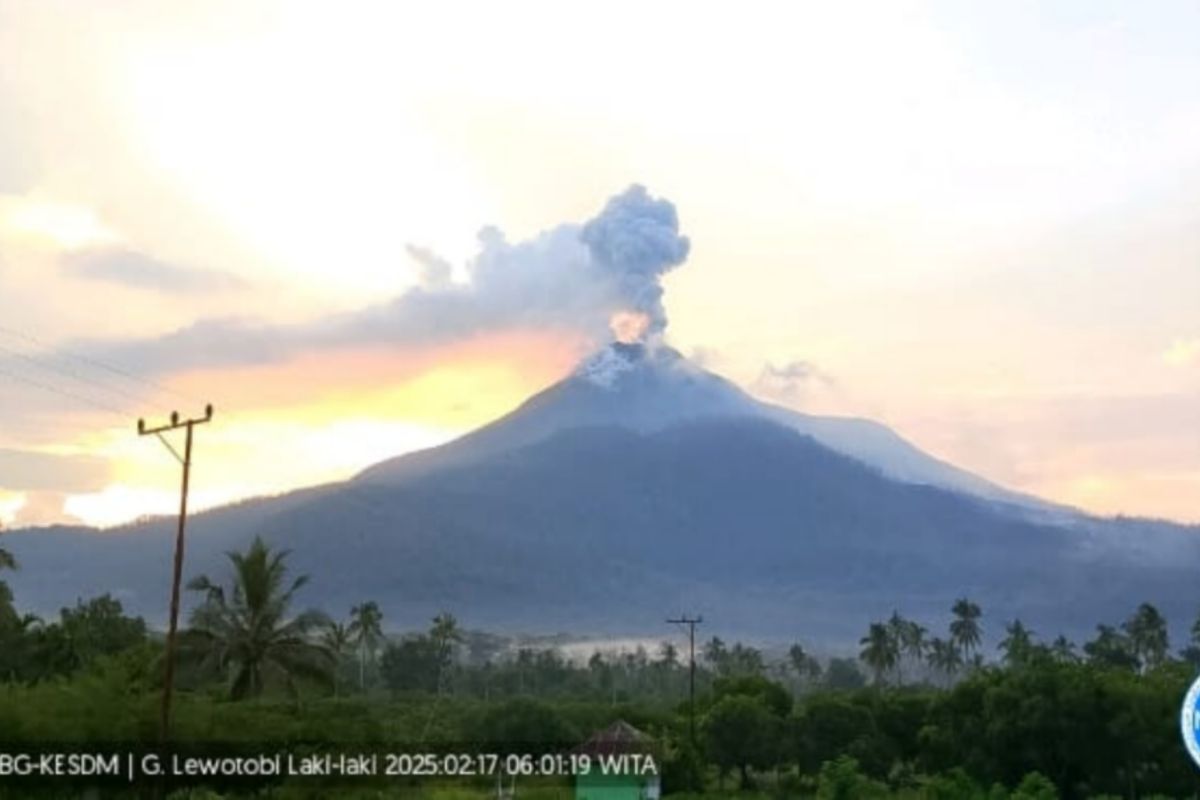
[
  {"x": 691, "y": 623},
  {"x": 186, "y": 461}
]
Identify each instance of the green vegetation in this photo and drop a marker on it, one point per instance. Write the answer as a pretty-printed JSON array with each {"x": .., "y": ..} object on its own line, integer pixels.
[
  {"x": 247, "y": 635},
  {"x": 938, "y": 718}
]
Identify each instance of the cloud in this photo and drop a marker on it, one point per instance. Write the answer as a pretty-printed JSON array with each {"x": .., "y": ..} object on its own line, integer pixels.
[
  {"x": 790, "y": 382},
  {"x": 571, "y": 278},
  {"x": 1182, "y": 352},
  {"x": 43, "y": 508},
  {"x": 435, "y": 271},
  {"x": 29, "y": 471},
  {"x": 140, "y": 271}
]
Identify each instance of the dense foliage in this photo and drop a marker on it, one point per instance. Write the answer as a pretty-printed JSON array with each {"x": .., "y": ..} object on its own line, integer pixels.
[{"x": 937, "y": 718}]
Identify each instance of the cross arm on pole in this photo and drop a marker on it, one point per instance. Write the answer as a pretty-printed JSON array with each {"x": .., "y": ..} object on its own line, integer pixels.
[{"x": 175, "y": 423}]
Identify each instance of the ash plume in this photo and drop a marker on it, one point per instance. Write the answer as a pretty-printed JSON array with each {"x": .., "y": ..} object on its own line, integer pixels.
[
  {"x": 636, "y": 239},
  {"x": 572, "y": 278}
]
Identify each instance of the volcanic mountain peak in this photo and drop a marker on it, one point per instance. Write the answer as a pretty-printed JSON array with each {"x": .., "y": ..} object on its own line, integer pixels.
[
  {"x": 605, "y": 366},
  {"x": 648, "y": 388}
]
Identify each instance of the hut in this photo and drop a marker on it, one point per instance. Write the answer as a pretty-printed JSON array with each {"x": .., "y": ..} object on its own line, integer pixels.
[{"x": 613, "y": 777}]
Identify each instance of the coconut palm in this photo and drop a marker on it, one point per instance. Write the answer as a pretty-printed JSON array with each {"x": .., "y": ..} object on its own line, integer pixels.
[
  {"x": 445, "y": 635},
  {"x": 1191, "y": 653},
  {"x": 7, "y": 612},
  {"x": 668, "y": 655},
  {"x": 366, "y": 627},
  {"x": 806, "y": 667},
  {"x": 880, "y": 651},
  {"x": 247, "y": 632},
  {"x": 337, "y": 639},
  {"x": 1062, "y": 650},
  {"x": 944, "y": 657},
  {"x": 912, "y": 639},
  {"x": 1017, "y": 646},
  {"x": 964, "y": 629},
  {"x": 6, "y": 560},
  {"x": 1147, "y": 632},
  {"x": 909, "y": 637}
]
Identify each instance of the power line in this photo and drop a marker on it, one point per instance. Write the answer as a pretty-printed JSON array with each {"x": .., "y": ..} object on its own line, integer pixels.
[
  {"x": 49, "y": 366},
  {"x": 94, "y": 363},
  {"x": 63, "y": 392}
]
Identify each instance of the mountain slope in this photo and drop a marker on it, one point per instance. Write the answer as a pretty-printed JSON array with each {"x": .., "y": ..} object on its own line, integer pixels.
[
  {"x": 639, "y": 487},
  {"x": 647, "y": 389}
]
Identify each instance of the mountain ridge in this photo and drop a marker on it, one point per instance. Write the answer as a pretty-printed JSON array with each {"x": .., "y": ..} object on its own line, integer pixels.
[{"x": 636, "y": 487}]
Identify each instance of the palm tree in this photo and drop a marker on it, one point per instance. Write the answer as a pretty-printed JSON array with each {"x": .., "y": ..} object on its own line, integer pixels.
[
  {"x": 366, "y": 627},
  {"x": 1018, "y": 644},
  {"x": 944, "y": 657},
  {"x": 895, "y": 629},
  {"x": 445, "y": 635},
  {"x": 964, "y": 629},
  {"x": 337, "y": 639},
  {"x": 1191, "y": 653},
  {"x": 807, "y": 668},
  {"x": 248, "y": 633},
  {"x": 716, "y": 654},
  {"x": 880, "y": 651},
  {"x": 909, "y": 637},
  {"x": 668, "y": 655},
  {"x": 1147, "y": 632},
  {"x": 1062, "y": 650},
  {"x": 6, "y": 608},
  {"x": 1111, "y": 648}
]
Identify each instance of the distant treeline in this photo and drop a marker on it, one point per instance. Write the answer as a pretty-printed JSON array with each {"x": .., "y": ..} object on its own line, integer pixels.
[{"x": 916, "y": 715}]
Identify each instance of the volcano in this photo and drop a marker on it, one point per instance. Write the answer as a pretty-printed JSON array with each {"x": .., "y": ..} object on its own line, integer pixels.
[
  {"x": 640, "y": 486},
  {"x": 648, "y": 389}
]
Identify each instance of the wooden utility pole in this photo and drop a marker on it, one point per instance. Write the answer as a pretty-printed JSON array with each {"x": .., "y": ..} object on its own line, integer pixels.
[
  {"x": 164, "y": 723},
  {"x": 691, "y": 623}
]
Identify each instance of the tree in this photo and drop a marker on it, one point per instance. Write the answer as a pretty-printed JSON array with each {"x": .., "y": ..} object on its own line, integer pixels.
[
  {"x": 247, "y": 634},
  {"x": 1062, "y": 650},
  {"x": 18, "y": 643},
  {"x": 446, "y": 637},
  {"x": 668, "y": 655},
  {"x": 965, "y": 631},
  {"x": 410, "y": 665},
  {"x": 806, "y": 668},
  {"x": 6, "y": 559},
  {"x": 775, "y": 697},
  {"x": 828, "y": 725},
  {"x": 1147, "y": 631},
  {"x": 524, "y": 726},
  {"x": 8, "y": 614},
  {"x": 841, "y": 779},
  {"x": 337, "y": 639},
  {"x": 741, "y": 732},
  {"x": 1111, "y": 648},
  {"x": 366, "y": 628},
  {"x": 100, "y": 627},
  {"x": 909, "y": 637},
  {"x": 1017, "y": 646},
  {"x": 843, "y": 673},
  {"x": 944, "y": 657},
  {"x": 1035, "y": 786},
  {"x": 1191, "y": 653},
  {"x": 715, "y": 653},
  {"x": 880, "y": 651}
]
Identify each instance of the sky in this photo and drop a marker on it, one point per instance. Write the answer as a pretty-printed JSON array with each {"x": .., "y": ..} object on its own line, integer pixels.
[{"x": 356, "y": 229}]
